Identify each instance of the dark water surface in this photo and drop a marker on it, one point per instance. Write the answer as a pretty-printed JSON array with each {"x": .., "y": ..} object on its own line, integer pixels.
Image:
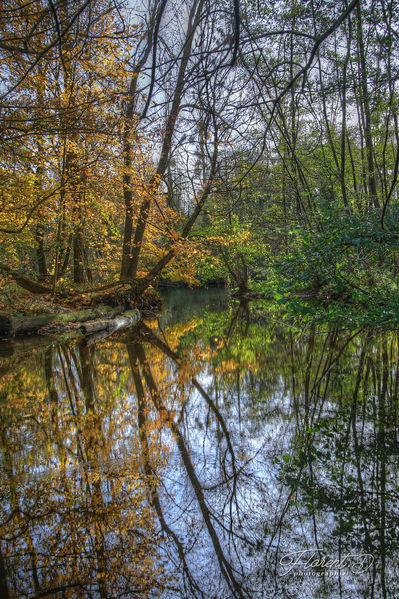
[{"x": 212, "y": 453}]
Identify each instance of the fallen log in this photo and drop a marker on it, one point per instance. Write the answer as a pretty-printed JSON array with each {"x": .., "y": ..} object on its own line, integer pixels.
[
  {"x": 112, "y": 325},
  {"x": 21, "y": 325},
  {"x": 23, "y": 346},
  {"x": 25, "y": 282}
]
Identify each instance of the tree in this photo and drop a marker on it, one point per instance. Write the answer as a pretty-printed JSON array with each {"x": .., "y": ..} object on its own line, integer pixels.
[{"x": 102, "y": 112}]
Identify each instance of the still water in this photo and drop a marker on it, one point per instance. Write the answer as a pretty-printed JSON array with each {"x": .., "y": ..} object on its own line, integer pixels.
[{"x": 212, "y": 453}]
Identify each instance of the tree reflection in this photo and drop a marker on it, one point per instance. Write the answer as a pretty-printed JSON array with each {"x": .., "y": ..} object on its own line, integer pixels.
[
  {"x": 186, "y": 460},
  {"x": 137, "y": 356},
  {"x": 75, "y": 517}
]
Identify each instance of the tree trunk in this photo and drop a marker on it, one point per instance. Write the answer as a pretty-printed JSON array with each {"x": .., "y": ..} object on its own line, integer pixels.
[
  {"x": 25, "y": 282},
  {"x": 21, "y": 325},
  {"x": 78, "y": 256},
  {"x": 40, "y": 254},
  {"x": 142, "y": 220},
  {"x": 128, "y": 133},
  {"x": 126, "y": 319},
  {"x": 365, "y": 103}
]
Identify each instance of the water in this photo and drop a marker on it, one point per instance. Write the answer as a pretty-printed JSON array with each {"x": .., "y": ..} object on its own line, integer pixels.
[{"x": 212, "y": 453}]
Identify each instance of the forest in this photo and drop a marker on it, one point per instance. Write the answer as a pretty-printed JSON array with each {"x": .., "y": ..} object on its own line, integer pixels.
[
  {"x": 243, "y": 144},
  {"x": 199, "y": 299}
]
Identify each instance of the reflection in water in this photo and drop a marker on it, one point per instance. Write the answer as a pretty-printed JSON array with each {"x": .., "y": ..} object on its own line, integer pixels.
[{"x": 214, "y": 456}]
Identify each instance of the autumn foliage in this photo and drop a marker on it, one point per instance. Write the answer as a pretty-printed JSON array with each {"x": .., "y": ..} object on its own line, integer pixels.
[{"x": 75, "y": 171}]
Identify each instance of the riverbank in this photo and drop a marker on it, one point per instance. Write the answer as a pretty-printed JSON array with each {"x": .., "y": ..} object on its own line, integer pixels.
[{"x": 59, "y": 314}]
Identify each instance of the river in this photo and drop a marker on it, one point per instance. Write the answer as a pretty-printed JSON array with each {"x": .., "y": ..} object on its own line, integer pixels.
[{"x": 212, "y": 453}]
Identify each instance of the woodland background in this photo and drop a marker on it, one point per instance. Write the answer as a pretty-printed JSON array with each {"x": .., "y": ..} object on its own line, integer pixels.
[{"x": 241, "y": 143}]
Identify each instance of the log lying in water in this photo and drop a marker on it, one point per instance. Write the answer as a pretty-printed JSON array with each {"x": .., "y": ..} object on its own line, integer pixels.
[
  {"x": 17, "y": 347},
  {"x": 126, "y": 319},
  {"x": 23, "y": 325}
]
